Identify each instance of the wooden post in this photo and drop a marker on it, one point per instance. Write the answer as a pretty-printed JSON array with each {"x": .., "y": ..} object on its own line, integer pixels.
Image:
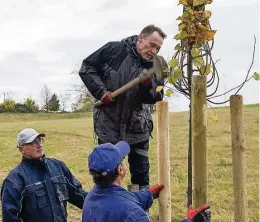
[
  {"x": 163, "y": 155},
  {"x": 199, "y": 141},
  {"x": 238, "y": 159}
]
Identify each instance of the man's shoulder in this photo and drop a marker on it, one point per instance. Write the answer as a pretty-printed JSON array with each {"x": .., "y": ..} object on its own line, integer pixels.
[{"x": 15, "y": 174}]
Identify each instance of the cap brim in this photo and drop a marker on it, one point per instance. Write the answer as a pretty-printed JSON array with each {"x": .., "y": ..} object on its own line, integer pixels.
[
  {"x": 124, "y": 148},
  {"x": 32, "y": 138}
]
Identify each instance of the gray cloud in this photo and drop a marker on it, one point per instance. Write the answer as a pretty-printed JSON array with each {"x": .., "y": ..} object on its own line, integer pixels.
[{"x": 45, "y": 41}]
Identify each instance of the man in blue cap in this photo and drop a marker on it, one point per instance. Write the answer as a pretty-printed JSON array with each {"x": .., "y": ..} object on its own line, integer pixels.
[
  {"x": 38, "y": 188},
  {"x": 108, "y": 200}
]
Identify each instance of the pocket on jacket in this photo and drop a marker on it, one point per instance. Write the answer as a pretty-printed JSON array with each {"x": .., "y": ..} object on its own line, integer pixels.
[
  {"x": 140, "y": 122},
  {"x": 36, "y": 196},
  {"x": 41, "y": 198},
  {"x": 60, "y": 184}
]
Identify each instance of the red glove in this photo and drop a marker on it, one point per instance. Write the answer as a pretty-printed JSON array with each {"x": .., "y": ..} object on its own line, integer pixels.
[
  {"x": 201, "y": 214},
  {"x": 147, "y": 81},
  {"x": 106, "y": 99},
  {"x": 155, "y": 190}
]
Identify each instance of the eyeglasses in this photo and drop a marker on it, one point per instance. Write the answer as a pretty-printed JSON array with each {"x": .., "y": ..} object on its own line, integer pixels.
[{"x": 38, "y": 140}]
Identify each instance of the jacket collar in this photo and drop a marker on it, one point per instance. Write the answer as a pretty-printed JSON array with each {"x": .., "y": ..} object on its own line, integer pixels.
[
  {"x": 131, "y": 43},
  {"x": 109, "y": 188},
  {"x": 35, "y": 162}
]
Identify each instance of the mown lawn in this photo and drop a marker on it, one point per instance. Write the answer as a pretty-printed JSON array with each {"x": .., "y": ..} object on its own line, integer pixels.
[{"x": 70, "y": 138}]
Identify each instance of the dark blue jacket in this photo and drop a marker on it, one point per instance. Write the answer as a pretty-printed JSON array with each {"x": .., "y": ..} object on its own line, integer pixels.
[
  {"x": 38, "y": 190},
  {"x": 115, "y": 204},
  {"x": 109, "y": 68}
]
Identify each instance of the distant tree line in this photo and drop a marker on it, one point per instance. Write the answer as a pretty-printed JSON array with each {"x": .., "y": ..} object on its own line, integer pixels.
[{"x": 51, "y": 102}]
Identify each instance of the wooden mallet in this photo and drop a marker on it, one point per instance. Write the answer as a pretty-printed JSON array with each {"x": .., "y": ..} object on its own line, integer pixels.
[{"x": 159, "y": 64}]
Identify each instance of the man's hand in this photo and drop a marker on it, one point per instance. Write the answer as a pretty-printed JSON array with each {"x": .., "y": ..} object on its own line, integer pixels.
[
  {"x": 201, "y": 214},
  {"x": 147, "y": 81},
  {"x": 155, "y": 190},
  {"x": 106, "y": 98}
]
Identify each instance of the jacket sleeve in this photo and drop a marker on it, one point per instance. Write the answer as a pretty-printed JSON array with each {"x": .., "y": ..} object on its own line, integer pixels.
[
  {"x": 148, "y": 93},
  {"x": 76, "y": 193},
  {"x": 11, "y": 198},
  {"x": 91, "y": 69},
  {"x": 145, "y": 197}
]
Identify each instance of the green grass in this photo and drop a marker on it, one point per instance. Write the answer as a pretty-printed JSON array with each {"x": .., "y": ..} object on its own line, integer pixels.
[{"x": 70, "y": 138}]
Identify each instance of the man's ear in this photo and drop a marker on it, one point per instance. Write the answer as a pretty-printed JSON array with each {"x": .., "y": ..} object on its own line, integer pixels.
[
  {"x": 21, "y": 149},
  {"x": 140, "y": 38},
  {"x": 120, "y": 170}
]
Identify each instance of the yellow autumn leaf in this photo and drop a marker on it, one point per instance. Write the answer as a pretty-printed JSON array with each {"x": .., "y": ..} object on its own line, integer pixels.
[
  {"x": 203, "y": 27},
  {"x": 173, "y": 63},
  {"x": 256, "y": 76},
  {"x": 169, "y": 92},
  {"x": 166, "y": 69},
  {"x": 182, "y": 26},
  {"x": 159, "y": 88},
  {"x": 181, "y": 35},
  {"x": 183, "y": 2},
  {"x": 213, "y": 117},
  {"x": 198, "y": 2},
  {"x": 198, "y": 62},
  {"x": 207, "y": 14},
  {"x": 208, "y": 35},
  {"x": 172, "y": 79},
  {"x": 195, "y": 52},
  {"x": 205, "y": 70},
  {"x": 177, "y": 73},
  {"x": 177, "y": 47},
  {"x": 208, "y": 1}
]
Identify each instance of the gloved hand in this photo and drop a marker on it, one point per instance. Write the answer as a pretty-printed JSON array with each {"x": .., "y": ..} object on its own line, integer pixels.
[
  {"x": 106, "y": 98},
  {"x": 201, "y": 214},
  {"x": 147, "y": 81},
  {"x": 155, "y": 190}
]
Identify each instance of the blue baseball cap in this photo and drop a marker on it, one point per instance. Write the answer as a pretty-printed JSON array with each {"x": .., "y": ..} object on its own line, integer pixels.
[{"x": 106, "y": 157}]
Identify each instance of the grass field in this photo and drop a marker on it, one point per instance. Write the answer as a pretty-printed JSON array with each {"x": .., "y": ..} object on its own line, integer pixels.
[{"x": 70, "y": 138}]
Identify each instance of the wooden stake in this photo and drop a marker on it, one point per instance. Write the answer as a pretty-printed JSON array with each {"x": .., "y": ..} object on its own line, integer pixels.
[
  {"x": 238, "y": 159},
  {"x": 163, "y": 155},
  {"x": 199, "y": 141}
]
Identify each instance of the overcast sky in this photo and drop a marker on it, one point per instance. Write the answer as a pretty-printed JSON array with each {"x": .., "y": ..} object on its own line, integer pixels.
[{"x": 42, "y": 42}]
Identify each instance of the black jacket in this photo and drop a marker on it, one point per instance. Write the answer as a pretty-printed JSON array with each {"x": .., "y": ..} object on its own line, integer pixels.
[
  {"x": 109, "y": 68},
  {"x": 38, "y": 190}
]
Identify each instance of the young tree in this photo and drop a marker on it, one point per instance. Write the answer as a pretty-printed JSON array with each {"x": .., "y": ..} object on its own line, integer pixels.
[
  {"x": 8, "y": 105},
  {"x": 64, "y": 97},
  {"x": 84, "y": 100},
  {"x": 54, "y": 103},
  {"x": 46, "y": 96},
  {"x": 194, "y": 56},
  {"x": 30, "y": 105}
]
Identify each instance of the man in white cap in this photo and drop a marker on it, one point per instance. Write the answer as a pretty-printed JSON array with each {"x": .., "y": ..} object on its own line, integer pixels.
[{"x": 38, "y": 188}]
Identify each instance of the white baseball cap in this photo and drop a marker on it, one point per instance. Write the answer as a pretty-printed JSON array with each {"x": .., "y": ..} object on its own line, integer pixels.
[{"x": 27, "y": 136}]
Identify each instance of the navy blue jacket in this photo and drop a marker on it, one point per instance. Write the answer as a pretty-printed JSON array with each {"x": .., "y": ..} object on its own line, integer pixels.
[
  {"x": 115, "y": 204},
  {"x": 38, "y": 190}
]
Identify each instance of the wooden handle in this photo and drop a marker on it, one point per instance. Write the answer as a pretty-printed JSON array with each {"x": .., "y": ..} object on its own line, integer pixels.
[{"x": 128, "y": 85}]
